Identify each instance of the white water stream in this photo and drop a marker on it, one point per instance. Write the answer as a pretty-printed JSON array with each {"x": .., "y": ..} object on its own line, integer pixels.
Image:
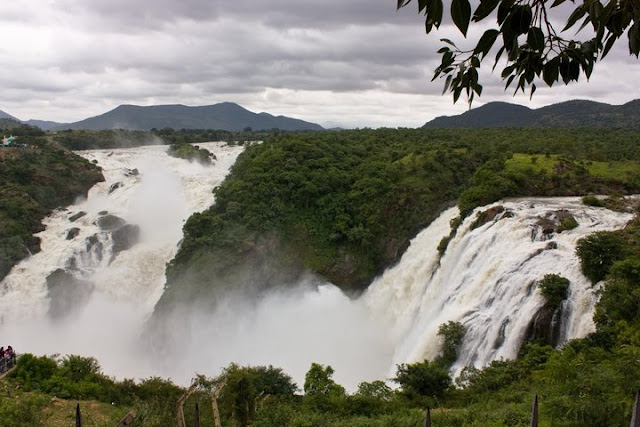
[
  {"x": 483, "y": 281},
  {"x": 158, "y": 197}
]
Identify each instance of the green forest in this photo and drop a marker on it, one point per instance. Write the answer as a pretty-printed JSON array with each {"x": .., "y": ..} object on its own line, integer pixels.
[{"x": 345, "y": 204}]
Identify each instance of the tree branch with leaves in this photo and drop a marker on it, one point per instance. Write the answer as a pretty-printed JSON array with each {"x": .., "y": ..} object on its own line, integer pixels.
[{"x": 528, "y": 40}]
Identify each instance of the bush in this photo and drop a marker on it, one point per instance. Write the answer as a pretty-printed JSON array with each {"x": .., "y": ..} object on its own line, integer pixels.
[
  {"x": 452, "y": 334},
  {"x": 567, "y": 223},
  {"x": 598, "y": 252},
  {"x": 591, "y": 201},
  {"x": 426, "y": 379},
  {"x": 554, "y": 289}
]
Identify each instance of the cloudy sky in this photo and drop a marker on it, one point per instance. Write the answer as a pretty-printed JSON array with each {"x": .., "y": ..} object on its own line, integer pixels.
[{"x": 352, "y": 63}]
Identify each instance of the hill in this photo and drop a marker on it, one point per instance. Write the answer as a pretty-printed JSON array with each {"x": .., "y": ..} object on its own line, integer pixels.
[
  {"x": 4, "y": 115},
  {"x": 225, "y": 116},
  {"x": 44, "y": 124},
  {"x": 570, "y": 114}
]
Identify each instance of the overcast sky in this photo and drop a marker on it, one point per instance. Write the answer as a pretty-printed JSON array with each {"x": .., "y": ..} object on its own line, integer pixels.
[{"x": 350, "y": 63}]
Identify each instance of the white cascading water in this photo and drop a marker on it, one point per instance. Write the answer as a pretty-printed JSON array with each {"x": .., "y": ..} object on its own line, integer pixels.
[
  {"x": 145, "y": 187},
  {"x": 485, "y": 281}
]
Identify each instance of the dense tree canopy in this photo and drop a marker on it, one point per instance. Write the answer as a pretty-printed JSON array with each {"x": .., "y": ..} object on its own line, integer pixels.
[{"x": 529, "y": 42}]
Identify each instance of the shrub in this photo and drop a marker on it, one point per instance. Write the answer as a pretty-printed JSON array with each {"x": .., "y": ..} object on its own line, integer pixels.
[
  {"x": 554, "y": 289},
  {"x": 452, "y": 334},
  {"x": 591, "y": 201},
  {"x": 427, "y": 379},
  {"x": 567, "y": 223},
  {"x": 598, "y": 252}
]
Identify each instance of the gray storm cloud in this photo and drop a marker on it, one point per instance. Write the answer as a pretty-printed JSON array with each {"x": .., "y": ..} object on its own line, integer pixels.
[{"x": 357, "y": 63}]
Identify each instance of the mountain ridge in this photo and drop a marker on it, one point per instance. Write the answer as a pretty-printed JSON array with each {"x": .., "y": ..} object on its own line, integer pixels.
[
  {"x": 222, "y": 116},
  {"x": 568, "y": 114}
]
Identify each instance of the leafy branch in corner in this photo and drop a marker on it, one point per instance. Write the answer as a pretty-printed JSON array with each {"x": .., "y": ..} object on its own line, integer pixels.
[{"x": 532, "y": 47}]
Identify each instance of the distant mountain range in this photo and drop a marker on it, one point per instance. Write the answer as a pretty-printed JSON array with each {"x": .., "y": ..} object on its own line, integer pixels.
[
  {"x": 570, "y": 114},
  {"x": 224, "y": 116}
]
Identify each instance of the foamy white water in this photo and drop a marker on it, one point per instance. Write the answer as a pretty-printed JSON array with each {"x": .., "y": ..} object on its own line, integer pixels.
[
  {"x": 158, "y": 197},
  {"x": 484, "y": 281}
]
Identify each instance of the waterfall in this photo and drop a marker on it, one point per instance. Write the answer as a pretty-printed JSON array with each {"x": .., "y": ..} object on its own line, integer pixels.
[
  {"x": 104, "y": 297},
  {"x": 486, "y": 280},
  {"x": 101, "y": 271}
]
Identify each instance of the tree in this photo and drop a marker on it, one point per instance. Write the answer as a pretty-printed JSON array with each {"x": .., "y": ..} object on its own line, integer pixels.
[
  {"x": 422, "y": 379},
  {"x": 318, "y": 381},
  {"x": 533, "y": 48},
  {"x": 598, "y": 252},
  {"x": 452, "y": 334},
  {"x": 554, "y": 289}
]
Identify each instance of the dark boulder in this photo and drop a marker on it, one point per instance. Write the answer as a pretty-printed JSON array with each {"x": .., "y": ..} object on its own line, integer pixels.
[
  {"x": 33, "y": 244},
  {"x": 77, "y": 216},
  {"x": 110, "y": 222},
  {"x": 114, "y": 187},
  {"x": 124, "y": 238},
  {"x": 73, "y": 233}
]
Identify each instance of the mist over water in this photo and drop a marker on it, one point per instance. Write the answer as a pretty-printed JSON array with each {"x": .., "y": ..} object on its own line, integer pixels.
[
  {"x": 289, "y": 329},
  {"x": 483, "y": 281}
]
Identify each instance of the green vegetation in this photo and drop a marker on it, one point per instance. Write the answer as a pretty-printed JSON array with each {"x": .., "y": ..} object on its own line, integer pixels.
[
  {"x": 34, "y": 180},
  {"x": 591, "y": 201},
  {"x": 452, "y": 334},
  {"x": 598, "y": 252},
  {"x": 191, "y": 153},
  {"x": 122, "y": 138},
  {"x": 554, "y": 289},
  {"x": 532, "y": 49},
  {"x": 112, "y": 138},
  {"x": 345, "y": 205}
]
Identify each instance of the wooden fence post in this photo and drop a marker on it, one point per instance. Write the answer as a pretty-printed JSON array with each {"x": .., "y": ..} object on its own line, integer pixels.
[
  {"x": 183, "y": 398},
  {"x": 214, "y": 402}
]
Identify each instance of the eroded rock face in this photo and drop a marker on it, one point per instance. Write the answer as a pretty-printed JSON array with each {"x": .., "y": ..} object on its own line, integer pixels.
[
  {"x": 95, "y": 246},
  {"x": 67, "y": 294},
  {"x": 491, "y": 214},
  {"x": 545, "y": 326},
  {"x": 553, "y": 222},
  {"x": 33, "y": 244}
]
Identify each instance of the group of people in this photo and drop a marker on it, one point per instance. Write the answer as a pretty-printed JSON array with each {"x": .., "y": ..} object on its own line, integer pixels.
[{"x": 7, "y": 359}]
